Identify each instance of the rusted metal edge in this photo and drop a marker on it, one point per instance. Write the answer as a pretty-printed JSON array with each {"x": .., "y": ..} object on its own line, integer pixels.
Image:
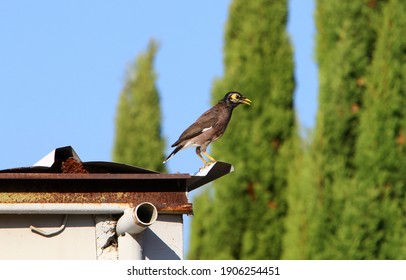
[
  {"x": 166, "y": 191},
  {"x": 157, "y": 198}
]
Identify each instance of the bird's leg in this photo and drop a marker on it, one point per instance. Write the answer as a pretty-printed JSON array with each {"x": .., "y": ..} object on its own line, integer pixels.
[
  {"x": 200, "y": 156},
  {"x": 212, "y": 159}
]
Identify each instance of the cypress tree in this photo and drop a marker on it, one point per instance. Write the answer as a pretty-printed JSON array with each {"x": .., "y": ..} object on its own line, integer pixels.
[
  {"x": 138, "y": 138},
  {"x": 381, "y": 149},
  {"x": 249, "y": 205},
  {"x": 344, "y": 47},
  {"x": 301, "y": 196},
  {"x": 200, "y": 235}
]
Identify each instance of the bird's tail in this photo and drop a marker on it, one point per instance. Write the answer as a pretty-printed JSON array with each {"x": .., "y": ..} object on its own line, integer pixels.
[{"x": 178, "y": 148}]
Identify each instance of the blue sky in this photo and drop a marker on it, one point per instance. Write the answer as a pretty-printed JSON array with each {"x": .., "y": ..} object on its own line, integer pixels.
[{"x": 63, "y": 64}]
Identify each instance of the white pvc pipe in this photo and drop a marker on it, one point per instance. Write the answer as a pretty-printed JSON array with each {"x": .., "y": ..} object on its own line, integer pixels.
[
  {"x": 135, "y": 220},
  {"x": 130, "y": 247},
  {"x": 62, "y": 208},
  {"x": 129, "y": 230},
  {"x": 50, "y": 233}
]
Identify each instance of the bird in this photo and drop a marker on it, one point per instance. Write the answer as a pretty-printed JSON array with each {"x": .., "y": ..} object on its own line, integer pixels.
[{"x": 209, "y": 127}]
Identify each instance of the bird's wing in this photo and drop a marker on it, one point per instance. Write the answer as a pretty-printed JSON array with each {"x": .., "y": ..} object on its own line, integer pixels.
[{"x": 202, "y": 124}]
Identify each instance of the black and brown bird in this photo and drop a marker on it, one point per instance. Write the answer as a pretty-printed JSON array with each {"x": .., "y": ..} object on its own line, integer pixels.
[{"x": 209, "y": 127}]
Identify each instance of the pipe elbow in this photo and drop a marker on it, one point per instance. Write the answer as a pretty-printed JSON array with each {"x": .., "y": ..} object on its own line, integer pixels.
[{"x": 135, "y": 220}]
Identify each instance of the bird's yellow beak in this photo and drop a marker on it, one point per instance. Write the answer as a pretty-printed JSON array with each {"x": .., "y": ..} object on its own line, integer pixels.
[{"x": 245, "y": 101}]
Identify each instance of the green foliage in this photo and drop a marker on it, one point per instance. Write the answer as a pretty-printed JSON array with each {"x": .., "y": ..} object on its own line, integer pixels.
[
  {"x": 199, "y": 248},
  {"x": 345, "y": 39},
  {"x": 339, "y": 194},
  {"x": 302, "y": 200},
  {"x": 381, "y": 150},
  {"x": 249, "y": 205},
  {"x": 358, "y": 154},
  {"x": 138, "y": 131}
]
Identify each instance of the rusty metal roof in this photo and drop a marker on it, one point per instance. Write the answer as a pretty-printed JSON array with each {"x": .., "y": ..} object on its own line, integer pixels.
[{"x": 69, "y": 180}]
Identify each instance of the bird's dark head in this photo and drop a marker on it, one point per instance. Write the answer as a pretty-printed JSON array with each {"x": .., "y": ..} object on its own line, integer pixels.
[{"x": 235, "y": 98}]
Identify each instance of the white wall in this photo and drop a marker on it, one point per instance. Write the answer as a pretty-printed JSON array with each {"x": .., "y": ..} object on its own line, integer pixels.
[
  {"x": 77, "y": 241},
  {"x": 163, "y": 240}
]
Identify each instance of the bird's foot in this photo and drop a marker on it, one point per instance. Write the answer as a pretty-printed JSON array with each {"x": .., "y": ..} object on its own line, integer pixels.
[
  {"x": 210, "y": 163},
  {"x": 205, "y": 169},
  {"x": 207, "y": 165}
]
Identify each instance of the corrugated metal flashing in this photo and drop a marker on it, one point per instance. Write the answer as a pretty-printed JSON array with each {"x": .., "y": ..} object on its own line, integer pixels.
[{"x": 61, "y": 177}]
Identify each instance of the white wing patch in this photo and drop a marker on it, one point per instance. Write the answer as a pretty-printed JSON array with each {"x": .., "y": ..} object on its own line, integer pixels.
[
  {"x": 207, "y": 128},
  {"x": 191, "y": 143}
]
